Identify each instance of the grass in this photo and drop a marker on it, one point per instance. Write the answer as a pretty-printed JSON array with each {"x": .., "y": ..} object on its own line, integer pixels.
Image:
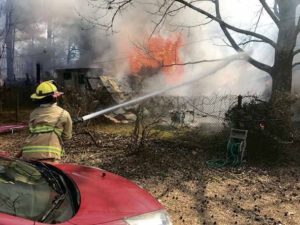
[
  {"x": 259, "y": 150},
  {"x": 118, "y": 129},
  {"x": 162, "y": 132}
]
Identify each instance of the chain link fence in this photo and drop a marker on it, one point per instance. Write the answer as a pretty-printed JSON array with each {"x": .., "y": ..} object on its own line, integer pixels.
[{"x": 206, "y": 112}]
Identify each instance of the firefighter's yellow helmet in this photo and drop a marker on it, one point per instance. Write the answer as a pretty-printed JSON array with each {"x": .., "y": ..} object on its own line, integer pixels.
[{"x": 44, "y": 89}]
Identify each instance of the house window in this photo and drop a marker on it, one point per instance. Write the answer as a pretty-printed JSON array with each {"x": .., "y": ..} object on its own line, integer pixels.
[
  {"x": 67, "y": 76},
  {"x": 81, "y": 79}
]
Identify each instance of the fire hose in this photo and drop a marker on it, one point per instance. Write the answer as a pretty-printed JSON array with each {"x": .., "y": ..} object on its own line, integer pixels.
[{"x": 224, "y": 62}]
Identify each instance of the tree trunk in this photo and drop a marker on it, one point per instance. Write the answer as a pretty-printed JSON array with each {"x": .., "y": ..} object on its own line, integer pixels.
[
  {"x": 286, "y": 40},
  {"x": 281, "y": 73},
  {"x": 50, "y": 63},
  {"x": 9, "y": 41}
]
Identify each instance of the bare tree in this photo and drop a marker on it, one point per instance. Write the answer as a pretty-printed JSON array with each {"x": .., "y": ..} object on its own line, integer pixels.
[{"x": 10, "y": 39}]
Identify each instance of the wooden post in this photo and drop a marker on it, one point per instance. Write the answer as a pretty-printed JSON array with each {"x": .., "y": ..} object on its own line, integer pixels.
[
  {"x": 240, "y": 99},
  {"x": 38, "y": 73}
]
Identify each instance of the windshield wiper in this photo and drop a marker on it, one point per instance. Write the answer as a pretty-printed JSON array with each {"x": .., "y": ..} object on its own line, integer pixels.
[
  {"x": 57, "y": 185},
  {"x": 55, "y": 205}
]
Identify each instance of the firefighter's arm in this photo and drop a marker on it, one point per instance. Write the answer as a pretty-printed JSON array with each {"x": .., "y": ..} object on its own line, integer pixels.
[{"x": 67, "y": 132}]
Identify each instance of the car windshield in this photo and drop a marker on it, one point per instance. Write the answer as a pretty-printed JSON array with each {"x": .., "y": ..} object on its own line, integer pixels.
[{"x": 26, "y": 191}]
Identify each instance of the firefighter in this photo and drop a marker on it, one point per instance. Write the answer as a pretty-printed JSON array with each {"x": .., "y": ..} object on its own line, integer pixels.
[{"x": 49, "y": 125}]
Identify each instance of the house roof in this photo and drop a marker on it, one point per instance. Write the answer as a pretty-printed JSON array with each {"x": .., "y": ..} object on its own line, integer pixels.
[{"x": 79, "y": 69}]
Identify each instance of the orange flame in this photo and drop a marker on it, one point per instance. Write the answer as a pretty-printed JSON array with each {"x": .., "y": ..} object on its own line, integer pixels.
[{"x": 160, "y": 54}]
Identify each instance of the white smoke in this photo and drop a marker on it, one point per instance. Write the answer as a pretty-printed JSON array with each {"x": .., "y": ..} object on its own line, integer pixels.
[
  {"x": 78, "y": 24},
  {"x": 200, "y": 43}
]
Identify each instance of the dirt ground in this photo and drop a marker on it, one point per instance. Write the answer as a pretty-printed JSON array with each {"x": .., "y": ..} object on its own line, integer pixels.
[{"x": 176, "y": 174}]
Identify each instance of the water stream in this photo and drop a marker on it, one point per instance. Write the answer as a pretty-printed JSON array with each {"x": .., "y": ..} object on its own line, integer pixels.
[{"x": 224, "y": 62}]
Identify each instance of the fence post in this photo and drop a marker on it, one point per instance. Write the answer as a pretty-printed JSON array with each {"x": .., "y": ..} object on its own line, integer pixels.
[
  {"x": 240, "y": 99},
  {"x": 239, "y": 106}
]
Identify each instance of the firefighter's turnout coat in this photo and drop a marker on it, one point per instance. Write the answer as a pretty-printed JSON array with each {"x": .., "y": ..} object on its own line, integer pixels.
[{"x": 49, "y": 125}]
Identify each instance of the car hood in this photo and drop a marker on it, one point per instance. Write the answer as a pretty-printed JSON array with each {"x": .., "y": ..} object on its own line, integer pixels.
[{"x": 107, "y": 197}]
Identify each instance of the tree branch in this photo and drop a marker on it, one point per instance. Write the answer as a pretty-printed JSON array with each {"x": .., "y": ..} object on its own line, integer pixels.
[
  {"x": 296, "y": 52},
  {"x": 186, "y": 27},
  {"x": 275, "y": 8},
  {"x": 295, "y": 64},
  {"x": 270, "y": 12},
  {"x": 228, "y": 26},
  {"x": 119, "y": 8},
  {"x": 254, "y": 62},
  {"x": 163, "y": 17},
  {"x": 190, "y": 26},
  {"x": 249, "y": 41},
  {"x": 193, "y": 62}
]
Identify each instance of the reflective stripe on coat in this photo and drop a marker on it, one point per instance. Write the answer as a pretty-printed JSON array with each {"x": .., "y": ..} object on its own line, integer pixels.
[{"x": 49, "y": 125}]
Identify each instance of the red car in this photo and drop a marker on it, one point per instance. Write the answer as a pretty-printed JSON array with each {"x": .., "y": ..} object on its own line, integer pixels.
[{"x": 39, "y": 193}]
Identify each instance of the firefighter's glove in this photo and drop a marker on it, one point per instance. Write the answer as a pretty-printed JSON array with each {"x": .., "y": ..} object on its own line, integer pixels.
[{"x": 77, "y": 120}]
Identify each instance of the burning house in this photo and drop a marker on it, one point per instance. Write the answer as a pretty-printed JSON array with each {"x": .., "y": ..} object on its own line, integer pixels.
[
  {"x": 78, "y": 78},
  {"x": 102, "y": 90},
  {"x": 94, "y": 90},
  {"x": 93, "y": 79}
]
